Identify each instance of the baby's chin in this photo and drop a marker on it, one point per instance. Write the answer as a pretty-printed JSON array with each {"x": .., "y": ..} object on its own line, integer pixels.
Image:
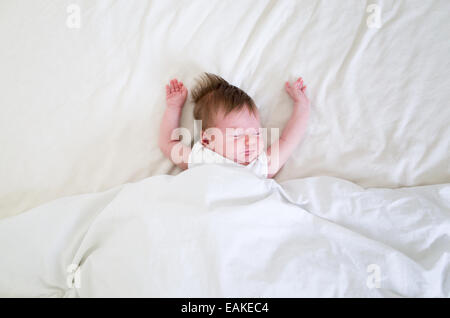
[{"x": 246, "y": 161}]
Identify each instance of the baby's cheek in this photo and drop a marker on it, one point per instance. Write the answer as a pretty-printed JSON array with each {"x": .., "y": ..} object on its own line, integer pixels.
[
  {"x": 231, "y": 149},
  {"x": 260, "y": 145}
]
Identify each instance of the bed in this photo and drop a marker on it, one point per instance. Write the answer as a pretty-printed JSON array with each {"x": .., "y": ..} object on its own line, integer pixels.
[{"x": 82, "y": 97}]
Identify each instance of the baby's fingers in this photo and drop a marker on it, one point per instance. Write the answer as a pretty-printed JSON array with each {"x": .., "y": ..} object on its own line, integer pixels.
[
  {"x": 288, "y": 86},
  {"x": 174, "y": 83}
]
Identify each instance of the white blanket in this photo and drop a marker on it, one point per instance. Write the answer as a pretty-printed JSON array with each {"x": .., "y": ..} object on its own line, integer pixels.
[
  {"x": 220, "y": 231},
  {"x": 81, "y": 107}
]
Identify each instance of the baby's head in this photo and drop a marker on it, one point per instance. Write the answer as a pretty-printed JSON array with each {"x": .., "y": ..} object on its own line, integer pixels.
[{"x": 230, "y": 119}]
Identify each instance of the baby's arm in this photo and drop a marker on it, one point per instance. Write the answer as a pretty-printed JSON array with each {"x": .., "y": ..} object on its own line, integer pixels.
[
  {"x": 294, "y": 130},
  {"x": 173, "y": 149}
]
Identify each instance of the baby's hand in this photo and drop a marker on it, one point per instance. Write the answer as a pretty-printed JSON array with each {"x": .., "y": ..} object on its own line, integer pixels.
[
  {"x": 297, "y": 93},
  {"x": 176, "y": 94}
]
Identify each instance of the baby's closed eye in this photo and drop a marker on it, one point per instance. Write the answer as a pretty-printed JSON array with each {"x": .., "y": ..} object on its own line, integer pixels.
[{"x": 239, "y": 133}]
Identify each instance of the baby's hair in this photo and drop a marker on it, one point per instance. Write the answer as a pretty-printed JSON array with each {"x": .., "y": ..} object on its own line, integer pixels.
[{"x": 213, "y": 93}]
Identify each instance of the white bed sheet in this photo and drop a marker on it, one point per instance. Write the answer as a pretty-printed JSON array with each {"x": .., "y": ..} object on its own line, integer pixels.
[
  {"x": 220, "y": 231},
  {"x": 80, "y": 108}
]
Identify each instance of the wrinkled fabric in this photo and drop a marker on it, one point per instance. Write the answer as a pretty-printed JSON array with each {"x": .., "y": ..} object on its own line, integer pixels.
[
  {"x": 221, "y": 231},
  {"x": 80, "y": 108},
  {"x": 201, "y": 155}
]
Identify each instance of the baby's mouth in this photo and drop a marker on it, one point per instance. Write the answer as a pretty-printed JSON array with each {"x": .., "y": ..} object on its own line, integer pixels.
[{"x": 249, "y": 154}]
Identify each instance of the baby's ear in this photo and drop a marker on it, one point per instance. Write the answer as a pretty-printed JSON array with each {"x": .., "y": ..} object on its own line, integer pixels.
[
  {"x": 212, "y": 137},
  {"x": 204, "y": 137}
]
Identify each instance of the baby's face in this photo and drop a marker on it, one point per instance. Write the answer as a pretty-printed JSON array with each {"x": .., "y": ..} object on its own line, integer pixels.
[{"x": 238, "y": 136}]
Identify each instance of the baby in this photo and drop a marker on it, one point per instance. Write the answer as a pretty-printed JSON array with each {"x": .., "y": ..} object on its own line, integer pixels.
[{"x": 230, "y": 127}]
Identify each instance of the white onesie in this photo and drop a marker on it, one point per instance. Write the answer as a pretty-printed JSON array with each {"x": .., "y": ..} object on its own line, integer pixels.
[{"x": 202, "y": 155}]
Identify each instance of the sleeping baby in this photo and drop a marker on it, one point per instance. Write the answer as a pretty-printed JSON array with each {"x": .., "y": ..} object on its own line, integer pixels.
[{"x": 231, "y": 131}]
